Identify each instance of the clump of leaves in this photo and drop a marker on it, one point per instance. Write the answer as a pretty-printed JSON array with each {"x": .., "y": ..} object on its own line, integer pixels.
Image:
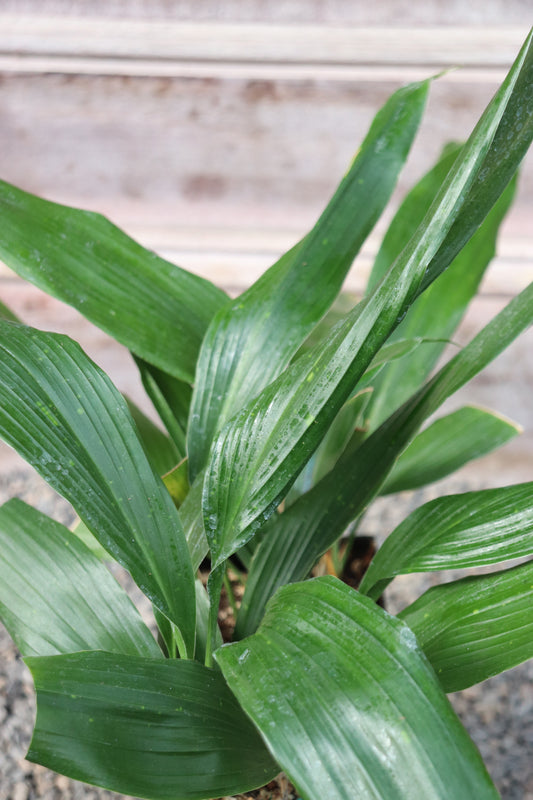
[{"x": 283, "y": 422}]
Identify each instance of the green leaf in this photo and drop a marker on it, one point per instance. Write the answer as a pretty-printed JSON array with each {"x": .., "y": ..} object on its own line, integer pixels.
[
  {"x": 202, "y": 623},
  {"x": 177, "y": 483},
  {"x": 171, "y": 399},
  {"x": 283, "y": 426},
  {"x": 161, "y": 452},
  {"x": 65, "y": 417},
  {"x": 448, "y": 444},
  {"x": 462, "y": 530},
  {"x": 156, "y": 309},
  {"x": 437, "y": 313},
  {"x": 156, "y": 729},
  {"x": 410, "y": 214},
  {"x": 193, "y": 523},
  {"x": 250, "y": 342},
  {"x": 316, "y": 520},
  {"x": 510, "y": 144},
  {"x": 347, "y": 425},
  {"x": 82, "y": 532},
  {"x": 476, "y": 627},
  {"x": 56, "y": 597},
  {"x": 347, "y": 702}
]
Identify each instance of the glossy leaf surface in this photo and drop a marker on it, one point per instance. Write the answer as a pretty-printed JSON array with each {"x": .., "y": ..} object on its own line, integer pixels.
[
  {"x": 250, "y": 342},
  {"x": 156, "y": 309},
  {"x": 476, "y": 627},
  {"x": 156, "y": 729},
  {"x": 446, "y": 445},
  {"x": 462, "y": 530},
  {"x": 348, "y": 703},
  {"x": 283, "y": 426},
  {"x": 56, "y": 597},
  {"x": 437, "y": 313},
  {"x": 315, "y": 521},
  {"x": 65, "y": 417}
]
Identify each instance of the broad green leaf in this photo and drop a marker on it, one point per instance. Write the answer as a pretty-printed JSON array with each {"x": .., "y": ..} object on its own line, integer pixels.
[
  {"x": 161, "y": 452},
  {"x": 461, "y": 530},
  {"x": 347, "y": 702},
  {"x": 156, "y": 729},
  {"x": 316, "y": 520},
  {"x": 171, "y": 399},
  {"x": 437, "y": 313},
  {"x": 156, "y": 309},
  {"x": 56, "y": 597},
  {"x": 476, "y": 627},
  {"x": 448, "y": 444},
  {"x": 250, "y": 342},
  {"x": 65, "y": 417},
  {"x": 258, "y": 455}
]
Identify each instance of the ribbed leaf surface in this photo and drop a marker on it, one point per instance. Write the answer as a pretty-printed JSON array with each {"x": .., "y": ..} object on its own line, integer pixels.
[
  {"x": 164, "y": 730},
  {"x": 476, "y": 627},
  {"x": 462, "y": 530},
  {"x": 315, "y": 521},
  {"x": 65, "y": 417},
  {"x": 56, "y": 597},
  {"x": 448, "y": 444},
  {"x": 347, "y": 702},
  {"x": 258, "y": 455},
  {"x": 437, "y": 313},
  {"x": 252, "y": 340},
  {"x": 156, "y": 309}
]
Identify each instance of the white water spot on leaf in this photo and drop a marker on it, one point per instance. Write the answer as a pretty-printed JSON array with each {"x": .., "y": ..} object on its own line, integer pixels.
[
  {"x": 243, "y": 656},
  {"x": 408, "y": 639}
]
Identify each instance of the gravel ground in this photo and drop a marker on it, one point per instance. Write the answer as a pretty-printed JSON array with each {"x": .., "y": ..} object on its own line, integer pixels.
[{"x": 498, "y": 713}]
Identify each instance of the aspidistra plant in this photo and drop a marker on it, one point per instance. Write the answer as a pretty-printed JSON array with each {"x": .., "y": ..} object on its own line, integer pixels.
[{"x": 284, "y": 418}]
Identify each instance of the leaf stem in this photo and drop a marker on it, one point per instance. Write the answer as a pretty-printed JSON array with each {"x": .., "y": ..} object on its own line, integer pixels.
[{"x": 214, "y": 588}]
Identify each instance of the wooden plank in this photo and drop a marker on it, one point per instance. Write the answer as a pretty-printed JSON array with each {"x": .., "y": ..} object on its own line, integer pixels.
[
  {"x": 296, "y": 12},
  {"x": 132, "y": 46}
]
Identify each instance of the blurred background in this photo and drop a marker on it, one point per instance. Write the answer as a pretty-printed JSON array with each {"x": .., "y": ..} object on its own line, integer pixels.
[{"x": 214, "y": 132}]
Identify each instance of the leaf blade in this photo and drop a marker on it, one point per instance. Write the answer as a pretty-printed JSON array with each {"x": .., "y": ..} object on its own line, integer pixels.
[
  {"x": 56, "y": 597},
  {"x": 65, "y": 417},
  {"x": 448, "y": 444},
  {"x": 464, "y": 530},
  {"x": 284, "y": 425},
  {"x": 476, "y": 627},
  {"x": 347, "y": 703},
  {"x": 141, "y": 300},
  {"x": 252, "y": 340},
  {"x": 154, "y": 729},
  {"x": 316, "y": 520}
]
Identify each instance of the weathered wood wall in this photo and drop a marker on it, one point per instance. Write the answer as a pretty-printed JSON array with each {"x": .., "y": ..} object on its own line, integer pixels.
[{"x": 215, "y": 131}]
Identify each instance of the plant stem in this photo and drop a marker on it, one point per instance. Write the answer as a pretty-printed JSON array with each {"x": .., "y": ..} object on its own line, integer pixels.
[{"x": 214, "y": 588}]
